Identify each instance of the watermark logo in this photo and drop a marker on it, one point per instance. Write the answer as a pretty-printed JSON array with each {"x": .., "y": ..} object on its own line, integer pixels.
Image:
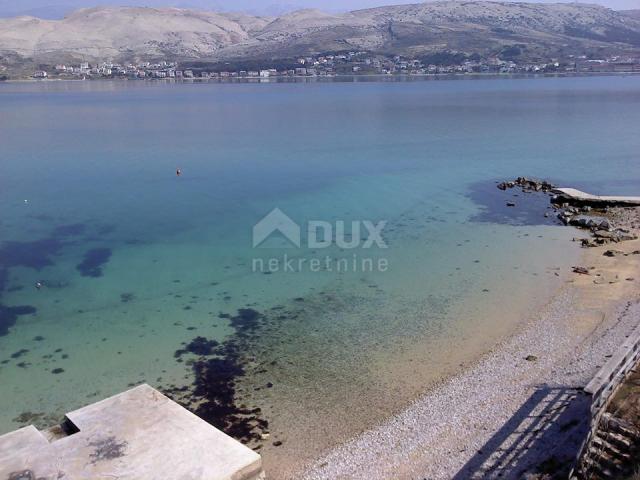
[
  {"x": 319, "y": 235},
  {"x": 276, "y": 222}
]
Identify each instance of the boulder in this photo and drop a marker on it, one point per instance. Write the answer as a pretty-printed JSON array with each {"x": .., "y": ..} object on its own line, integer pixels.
[
  {"x": 604, "y": 234},
  {"x": 506, "y": 185},
  {"x": 624, "y": 236},
  {"x": 534, "y": 184},
  {"x": 586, "y": 221},
  {"x": 588, "y": 242},
  {"x": 615, "y": 236},
  {"x": 564, "y": 217},
  {"x": 528, "y": 185}
]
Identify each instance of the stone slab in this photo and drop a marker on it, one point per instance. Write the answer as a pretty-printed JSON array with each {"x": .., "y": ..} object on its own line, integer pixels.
[{"x": 139, "y": 434}]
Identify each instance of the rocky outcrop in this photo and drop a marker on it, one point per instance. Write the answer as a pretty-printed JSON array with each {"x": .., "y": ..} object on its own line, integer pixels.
[
  {"x": 604, "y": 237},
  {"x": 598, "y": 220},
  {"x": 528, "y": 185},
  {"x": 581, "y": 220},
  {"x": 602, "y": 228}
]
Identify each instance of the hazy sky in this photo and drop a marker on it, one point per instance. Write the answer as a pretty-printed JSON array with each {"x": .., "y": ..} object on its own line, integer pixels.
[{"x": 57, "y": 8}]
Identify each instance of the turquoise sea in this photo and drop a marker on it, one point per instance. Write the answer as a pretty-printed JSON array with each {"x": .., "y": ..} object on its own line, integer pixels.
[{"x": 114, "y": 270}]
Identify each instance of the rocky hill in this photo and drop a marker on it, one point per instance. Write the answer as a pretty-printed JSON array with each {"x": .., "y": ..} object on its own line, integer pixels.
[
  {"x": 113, "y": 33},
  {"x": 632, "y": 13},
  {"x": 528, "y": 31}
]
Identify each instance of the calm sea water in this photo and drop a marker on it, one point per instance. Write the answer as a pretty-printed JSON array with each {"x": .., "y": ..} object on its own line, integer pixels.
[{"x": 136, "y": 262}]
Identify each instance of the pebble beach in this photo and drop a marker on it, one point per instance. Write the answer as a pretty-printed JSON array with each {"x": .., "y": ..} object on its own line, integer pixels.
[{"x": 518, "y": 411}]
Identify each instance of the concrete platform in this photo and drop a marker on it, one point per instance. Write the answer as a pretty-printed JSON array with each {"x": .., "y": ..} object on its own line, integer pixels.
[
  {"x": 573, "y": 196},
  {"x": 139, "y": 434}
]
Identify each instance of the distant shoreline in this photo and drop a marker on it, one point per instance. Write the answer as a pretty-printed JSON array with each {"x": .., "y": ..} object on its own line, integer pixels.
[{"x": 335, "y": 78}]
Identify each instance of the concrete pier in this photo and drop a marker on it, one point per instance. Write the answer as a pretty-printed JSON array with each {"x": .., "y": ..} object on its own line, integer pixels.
[
  {"x": 139, "y": 434},
  {"x": 578, "y": 197}
]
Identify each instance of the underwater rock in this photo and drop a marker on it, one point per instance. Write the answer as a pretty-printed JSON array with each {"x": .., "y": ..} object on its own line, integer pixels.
[
  {"x": 198, "y": 346},
  {"x": 127, "y": 297},
  {"x": 94, "y": 259},
  {"x": 35, "y": 255},
  {"x": 28, "y": 418},
  {"x": 247, "y": 320},
  {"x": 4, "y": 279},
  {"x": 9, "y": 316},
  {"x": 213, "y": 395}
]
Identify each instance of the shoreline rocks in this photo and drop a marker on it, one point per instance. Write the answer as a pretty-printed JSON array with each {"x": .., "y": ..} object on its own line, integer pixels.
[
  {"x": 605, "y": 221},
  {"x": 528, "y": 185}
]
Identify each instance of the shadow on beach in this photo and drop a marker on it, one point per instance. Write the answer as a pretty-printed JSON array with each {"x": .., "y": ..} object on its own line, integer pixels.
[{"x": 542, "y": 437}]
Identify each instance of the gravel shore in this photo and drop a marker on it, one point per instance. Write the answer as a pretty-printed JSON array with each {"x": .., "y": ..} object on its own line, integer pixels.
[{"x": 519, "y": 411}]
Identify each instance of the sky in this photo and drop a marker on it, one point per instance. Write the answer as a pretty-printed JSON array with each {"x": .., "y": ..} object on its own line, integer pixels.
[{"x": 58, "y": 8}]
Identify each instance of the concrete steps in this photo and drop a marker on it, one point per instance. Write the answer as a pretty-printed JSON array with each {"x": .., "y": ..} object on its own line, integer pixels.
[
  {"x": 614, "y": 446},
  {"x": 621, "y": 427},
  {"x": 611, "y": 452}
]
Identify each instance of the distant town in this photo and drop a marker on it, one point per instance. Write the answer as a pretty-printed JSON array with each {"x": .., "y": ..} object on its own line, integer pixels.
[{"x": 351, "y": 63}]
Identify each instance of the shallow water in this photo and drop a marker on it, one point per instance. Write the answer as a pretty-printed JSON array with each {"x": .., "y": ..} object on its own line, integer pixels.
[{"x": 135, "y": 262}]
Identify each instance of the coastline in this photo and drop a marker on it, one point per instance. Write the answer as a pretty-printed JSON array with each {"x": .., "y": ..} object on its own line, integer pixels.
[
  {"x": 335, "y": 78},
  {"x": 457, "y": 428},
  {"x": 175, "y": 302},
  {"x": 325, "y": 406}
]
